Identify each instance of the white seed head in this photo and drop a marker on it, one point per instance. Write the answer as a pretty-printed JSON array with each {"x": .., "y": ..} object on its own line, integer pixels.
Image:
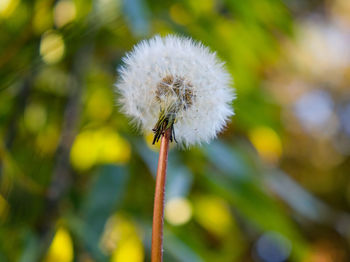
[{"x": 180, "y": 79}]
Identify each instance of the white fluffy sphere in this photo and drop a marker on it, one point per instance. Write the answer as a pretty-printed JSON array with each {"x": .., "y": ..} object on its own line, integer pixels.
[{"x": 178, "y": 77}]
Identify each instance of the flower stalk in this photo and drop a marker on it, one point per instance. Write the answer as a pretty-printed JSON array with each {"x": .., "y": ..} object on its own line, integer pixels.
[{"x": 158, "y": 208}]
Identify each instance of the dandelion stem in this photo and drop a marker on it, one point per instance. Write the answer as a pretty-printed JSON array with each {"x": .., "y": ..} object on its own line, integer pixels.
[{"x": 158, "y": 209}]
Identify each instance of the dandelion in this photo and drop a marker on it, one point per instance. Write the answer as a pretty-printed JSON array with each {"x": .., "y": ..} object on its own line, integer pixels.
[
  {"x": 176, "y": 83},
  {"x": 180, "y": 90}
]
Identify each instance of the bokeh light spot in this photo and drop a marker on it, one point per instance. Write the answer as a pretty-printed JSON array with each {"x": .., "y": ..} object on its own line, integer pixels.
[
  {"x": 84, "y": 151},
  {"x": 61, "y": 249},
  {"x": 121, "y": 239},
  {"x": 267, "y": 143},
  {"x": 129, "y": 250},
  {"x": 34, "y": 117},
  {"x": 64, "y": 12},
  {"x": 179, "y": 15},
  {"x": 47, "y": 140},
  {"x": 99, "y": 105},
  {"x": 273, "y": 247},
  {"x": 213, "y": 214},
  {"x": 99, "y": 147},
  {"x": 201, "y": 7},
  {"x": 52, "y": 47},
  {"x": 178, "y": 211},
  {"x": 7, "y": 7},
  {"x": 315, "y": 111}
]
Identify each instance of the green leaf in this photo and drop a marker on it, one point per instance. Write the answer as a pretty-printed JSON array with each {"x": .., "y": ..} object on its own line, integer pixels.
[{"x": 104, "y": 198}]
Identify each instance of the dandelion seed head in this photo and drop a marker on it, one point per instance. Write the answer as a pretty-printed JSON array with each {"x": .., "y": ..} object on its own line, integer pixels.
[
  {"x": 180, "y": 77},
  {"x": 176, "y": 91}
]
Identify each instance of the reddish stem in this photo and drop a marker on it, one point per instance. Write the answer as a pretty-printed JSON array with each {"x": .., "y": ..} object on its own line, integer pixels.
[{"x": 158, "y": 209}]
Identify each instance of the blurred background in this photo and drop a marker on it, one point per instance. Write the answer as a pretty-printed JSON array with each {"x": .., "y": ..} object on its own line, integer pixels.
[{"x": 77, "y": 180}]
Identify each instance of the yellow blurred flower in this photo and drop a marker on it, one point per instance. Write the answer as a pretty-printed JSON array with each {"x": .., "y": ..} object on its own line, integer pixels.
[
  {"x": 121, "y": 239},
  {"x": 213, "y": 214},
  {"x": 61, "y": 249},
  {"x": 100, "y": 104},
  {"x": 99, "y": 147},
  {"x": 130, "y": 250},
  {"x": 52, "y": 47},
  {"x": 7, "y": 7},
  {"x": 267, "y": 143}
]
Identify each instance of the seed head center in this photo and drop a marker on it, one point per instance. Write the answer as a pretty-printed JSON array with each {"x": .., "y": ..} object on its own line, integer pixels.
[{"x": 174, "y": 93}]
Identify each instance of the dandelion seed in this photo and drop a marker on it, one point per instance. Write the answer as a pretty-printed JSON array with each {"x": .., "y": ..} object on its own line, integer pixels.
[{"x": 176, "y": 83}]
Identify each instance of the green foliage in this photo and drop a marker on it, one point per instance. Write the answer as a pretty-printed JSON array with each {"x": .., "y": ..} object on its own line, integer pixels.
[{"x": 76, "y": 178}]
